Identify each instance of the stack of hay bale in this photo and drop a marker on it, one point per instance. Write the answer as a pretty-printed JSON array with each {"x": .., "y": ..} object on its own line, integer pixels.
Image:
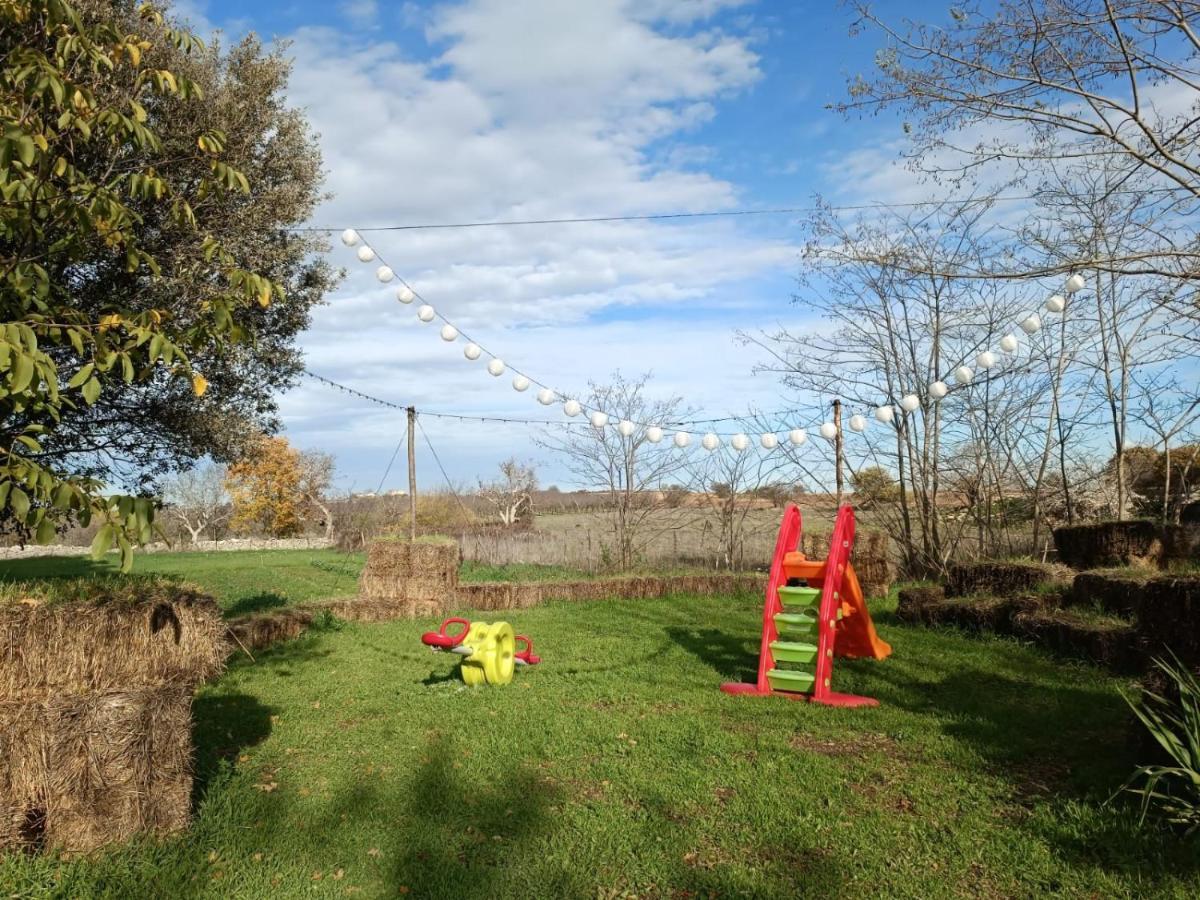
[
  {"x": 870, "y": 558},
  {"x": 95, "y": 711},
  {"x": 406, "y": 579}
]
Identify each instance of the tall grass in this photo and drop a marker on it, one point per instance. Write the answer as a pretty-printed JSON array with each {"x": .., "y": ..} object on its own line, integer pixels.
[{"x": 1171, "y": 791}]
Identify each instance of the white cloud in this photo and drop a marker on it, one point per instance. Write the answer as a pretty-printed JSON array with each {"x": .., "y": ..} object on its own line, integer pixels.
[
  {"x": 363, "y": 13},
  {"x": 538, "y": 109}
]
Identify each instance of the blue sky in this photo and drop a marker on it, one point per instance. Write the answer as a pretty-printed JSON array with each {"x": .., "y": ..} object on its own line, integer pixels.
[{"x": 493, "y": 109}]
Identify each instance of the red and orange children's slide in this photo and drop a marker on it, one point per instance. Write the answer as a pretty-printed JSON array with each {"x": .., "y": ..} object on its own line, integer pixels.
[{"x": 814, "y": 611}]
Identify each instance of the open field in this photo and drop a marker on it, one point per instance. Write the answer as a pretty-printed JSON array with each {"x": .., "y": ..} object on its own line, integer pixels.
[
  {"x": 352, "y": 762},
  {"x": 246, "y": 581}
]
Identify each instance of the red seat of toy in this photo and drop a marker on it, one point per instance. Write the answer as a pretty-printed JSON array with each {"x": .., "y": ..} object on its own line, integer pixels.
[
  {"x": 441, "y": 640},
  {"x": 526, "y": 655}
]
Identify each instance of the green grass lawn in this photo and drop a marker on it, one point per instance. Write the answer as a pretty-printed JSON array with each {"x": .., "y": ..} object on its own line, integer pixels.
[
  {"x": 353, "y": 763},
  {"x": 246, "y": 581}
]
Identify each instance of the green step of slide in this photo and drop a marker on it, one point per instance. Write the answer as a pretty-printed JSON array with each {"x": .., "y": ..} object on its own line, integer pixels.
[
  {"x": 793, "y": 651},
  {"x": 797, "y": 623},
  {"x": 787, "y": 680},
  {"x": 799, "y": 597}
]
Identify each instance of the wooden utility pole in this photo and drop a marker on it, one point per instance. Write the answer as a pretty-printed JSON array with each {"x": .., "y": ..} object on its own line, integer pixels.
[
  {"x": 837, "y": 449},
  {"x": 412, "y": 472}
]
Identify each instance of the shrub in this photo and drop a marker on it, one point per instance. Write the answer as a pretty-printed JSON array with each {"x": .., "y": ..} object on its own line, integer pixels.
[{"x": 1171, "y": 791}]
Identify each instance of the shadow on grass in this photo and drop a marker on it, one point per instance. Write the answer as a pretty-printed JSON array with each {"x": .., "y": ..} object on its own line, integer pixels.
[
  {"x": 256, "y": 603},
  {"x": 1052, "y": 743},
  {"x": 223, "y": 725},
  {"x": 733, "y": 656},
  {"x": 53, "y": 567}
]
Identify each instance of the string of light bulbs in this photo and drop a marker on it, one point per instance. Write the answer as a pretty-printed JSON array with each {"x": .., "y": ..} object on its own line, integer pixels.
[{"x": 910, "y": 402}]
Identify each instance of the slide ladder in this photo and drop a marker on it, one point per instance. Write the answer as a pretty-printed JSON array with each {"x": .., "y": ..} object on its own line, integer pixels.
[{"x": 806, "y": 624}]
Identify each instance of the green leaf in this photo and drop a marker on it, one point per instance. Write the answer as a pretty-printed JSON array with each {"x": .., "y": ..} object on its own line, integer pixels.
[
  {"x": 102, "y": 541},
  {"x": 91, "y": 390},
  {"x": 21, "y": 373},
  {"x": 81, "y": 376},
  {"x": 19, "y": 501},
  {"x": 46, "y": 531}
]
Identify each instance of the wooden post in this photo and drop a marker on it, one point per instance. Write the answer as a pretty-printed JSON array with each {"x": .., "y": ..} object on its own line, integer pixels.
[
  {"x": 412, "y": 472},
  {"x": 837, "y": 449}
]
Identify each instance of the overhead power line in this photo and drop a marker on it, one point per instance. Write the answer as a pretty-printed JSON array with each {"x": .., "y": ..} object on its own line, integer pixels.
[{"x": 729, "y": 213}]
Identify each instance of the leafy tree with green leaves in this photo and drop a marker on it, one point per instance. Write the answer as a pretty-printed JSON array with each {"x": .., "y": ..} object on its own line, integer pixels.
[{"x": 130, "y": 289}]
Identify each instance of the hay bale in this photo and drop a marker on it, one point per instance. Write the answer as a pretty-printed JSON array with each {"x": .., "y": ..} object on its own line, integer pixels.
[
  {"x": 259, "y": 630},
  {"x": 870, "y": 556},
  {"x": 1105, "y": 642},
  {"x": 418, "y": 575},
  {"x": 95, "y": 711},
  {"x": 1168, "y": 618},
  {"x": 150, "y": 633},
  {"x": 1108, "y": 544},
  {"x": 1181, "y": 543},
  {"x": 914, "y": 603},
  {"x": 83, "y": 771},
  {"x": 1002, "y": 578},
  {"x": 1114, "y": 592},
  {"x": 362, "y": 610}
]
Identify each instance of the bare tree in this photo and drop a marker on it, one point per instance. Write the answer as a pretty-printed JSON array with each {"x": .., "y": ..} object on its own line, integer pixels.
[
  {"x": 1013, "y": 84},
  {"x": 512, "y": 494},
  {"x": 628, "y": 468},
  {"x": 196, "y": 498},
  {"x": 729, "y": 481},
  {"x": 316, "y": 478}
]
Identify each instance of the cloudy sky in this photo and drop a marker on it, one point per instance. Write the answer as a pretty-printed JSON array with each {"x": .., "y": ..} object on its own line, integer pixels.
[{"x": 485, "y": 110}]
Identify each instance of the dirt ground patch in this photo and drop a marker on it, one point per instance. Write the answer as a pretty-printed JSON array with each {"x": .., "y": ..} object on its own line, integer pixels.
[{"x": 854, "y": 744}]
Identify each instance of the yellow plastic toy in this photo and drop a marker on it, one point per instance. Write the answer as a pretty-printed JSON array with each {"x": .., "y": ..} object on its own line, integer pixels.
[
  {"x": 492, "y": 662},
  {"x": 489, "y": 650}
]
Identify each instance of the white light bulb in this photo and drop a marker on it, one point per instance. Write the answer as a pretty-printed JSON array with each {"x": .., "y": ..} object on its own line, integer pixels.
[
  {"x": 1056, "y": 303},
  {"x": 425, "y": 313},
  {"x": 625, "y": 427},
  {"x": 710, "y": 442},
  {"x": 572, "y": 408},
  {"x": 828, "y": 431},
  {"x": 682, "y": 439},
  {"x": 1075, "y": 284},
  {"x": 858, "y": 423},
  {"x": 739, "y": 442},
  {"x": 885, "y": 414},
  {"x": 1008, "y": 343},
  {"x": 520, "y": 383},
  {"x": 599, "y": 419},
  {"x": 349, "y": 237},
  {"x": 938, "y": 390},
  {"x": 797, "y": 436},
  {"x": 986, "y": 359},
  {"x": 963, "y": 374},
  {"x": 768, "y": 441},
  {"x": 496, "y": 367},
  {"x": 449, "y": 333},
  {"x": 472, "y": 351},
  {"x": 910, "y": 402},
  {"x": 654, "y": 434},
  {"x": 385, "y": 274},
  {"x": 545, "y": 396},
  {"x": 365, "y": 253},
  {"x": 1032, "y": 324},
  {"x": 404, "y": 294}
]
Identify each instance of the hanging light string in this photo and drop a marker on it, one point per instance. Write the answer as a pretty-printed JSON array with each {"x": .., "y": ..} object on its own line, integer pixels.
[
  {"x": 599, "y": 419},
  {"x": 467, "y": 417}
]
